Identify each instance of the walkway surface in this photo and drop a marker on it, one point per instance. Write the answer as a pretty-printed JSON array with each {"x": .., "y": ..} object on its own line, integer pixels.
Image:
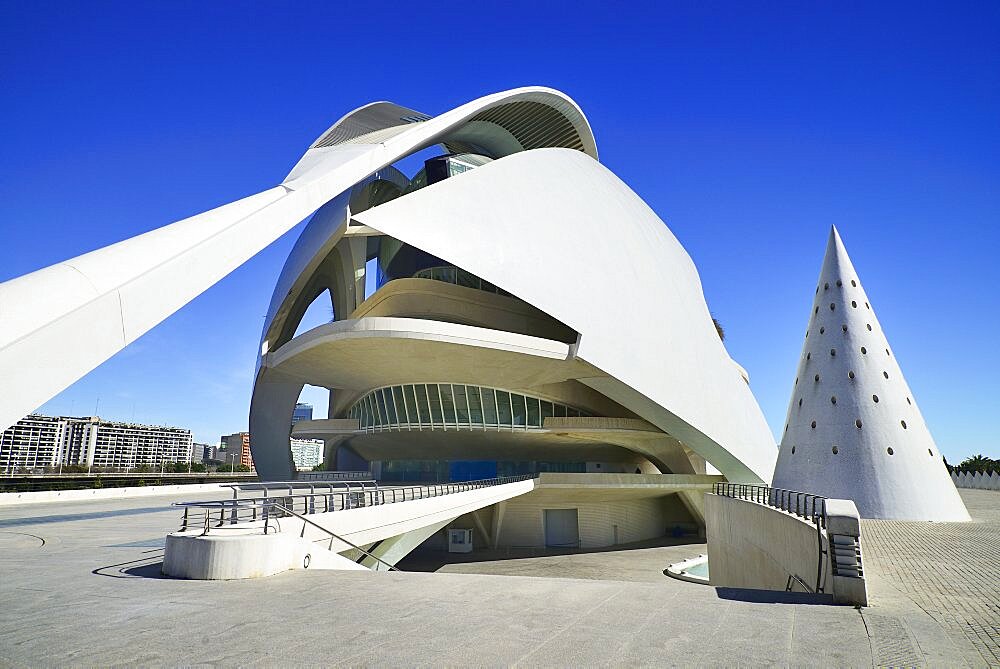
[
  {"x": 947, "y": 571},
  {"x": 80, "y": 585}
]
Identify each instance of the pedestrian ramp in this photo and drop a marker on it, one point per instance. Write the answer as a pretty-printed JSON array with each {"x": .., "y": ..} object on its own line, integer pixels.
[{"x": 269, "y": 528}]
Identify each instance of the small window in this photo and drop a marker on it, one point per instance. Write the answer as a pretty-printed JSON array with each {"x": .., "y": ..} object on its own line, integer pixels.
[
  {"x": 850, "y": 375},
  {"x": 854, "y": 304},
  {"x": 889, "y": 450},
  {"x": 489, "y": 406},
  {"x": 903, "y": 423},
  {"x": 814, "y": 425},
  {"x": 869, "y": 326},
  {"x": 844, "y": 327},
  {"x": 422, "y": 404},
  {"x": 833, "y": 399},
  {"x": 863, "y": 350},
  {"x": 885, "y": 374},
  {"x": 816, "y": 310},
  {"x": 833, "y": 352},
  {"x": 822, "y": 330},
  {"x": 930, "y": 453},
  {"x": 503, "y": 407},
  {"x": 796, "y": 380},
  {"x": 793, "y": 450},
  {"x": 839, "y": 283},
  {"x": 808, "y": 356},
  {"x": 858, "y": 423},
  {"x": 908, "y": 401},
  {"x": 875, "y": 399},
  {"x": 816, "y": 378},
  {"x": 435, "y": 401},
  {"x": 448, "y": 404},
  {"x": 866, "y": 306},
  {"x": 534, "y": 414},
  {"x": 835, "y": 450},
  {"x": 887, "y": 352},
  {"x": 800, "y": 401},
  {"x": 854, "y": 283},
  {"x": 475, "y": 405},
  {"x": 519, "y": 408},
  {"x": 410, "y": 401},
  {"x": 462, "y": 407},
  {"x": 826, "y": 286},
  {"x": 832, "y": 306}
]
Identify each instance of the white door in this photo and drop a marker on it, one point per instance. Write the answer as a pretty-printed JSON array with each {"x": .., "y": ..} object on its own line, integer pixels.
[{"x": 562, "y": 529}]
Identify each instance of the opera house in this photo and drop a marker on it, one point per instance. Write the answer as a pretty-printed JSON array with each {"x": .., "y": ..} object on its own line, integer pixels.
[{"x": 512, "y": 308}]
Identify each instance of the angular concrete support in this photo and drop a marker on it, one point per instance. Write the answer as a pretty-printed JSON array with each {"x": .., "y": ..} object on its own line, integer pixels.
[{"x": 394, "y": 549}]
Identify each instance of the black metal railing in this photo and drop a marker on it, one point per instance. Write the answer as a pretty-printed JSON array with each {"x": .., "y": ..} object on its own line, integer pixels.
[
  {"x": 293, "y": 498},
  {"x": 802, "y": 504},
  {"x": 805, "y": 505}
]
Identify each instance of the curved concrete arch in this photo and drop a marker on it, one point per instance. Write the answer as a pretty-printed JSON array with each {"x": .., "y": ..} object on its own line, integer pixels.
[
  {"x": 60, "y": 322},
  {"x": 645, "y": 326}
]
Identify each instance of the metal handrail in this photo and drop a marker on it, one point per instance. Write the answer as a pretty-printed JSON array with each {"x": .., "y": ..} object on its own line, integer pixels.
[
  {"x": 801, "y": 504},
  {"x": 332, "y": 536},
  {"x": 249, "y": 509}
]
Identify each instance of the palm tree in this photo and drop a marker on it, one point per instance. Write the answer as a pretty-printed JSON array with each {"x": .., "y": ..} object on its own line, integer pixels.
[{"x": 718, "y": 328}]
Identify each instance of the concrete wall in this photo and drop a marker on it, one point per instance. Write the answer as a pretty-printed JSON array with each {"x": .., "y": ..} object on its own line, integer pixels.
[
  {"x": 979, "y": 480},
  {"x": 758, "y": 547},
  {"x": 634, "y": 519},
  {"x": 12, "y": 498},
  {"x": 755, "y": 546}
]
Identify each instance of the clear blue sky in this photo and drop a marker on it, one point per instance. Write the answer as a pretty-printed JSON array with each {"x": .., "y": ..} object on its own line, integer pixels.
[{"x": 749, "y": 127}]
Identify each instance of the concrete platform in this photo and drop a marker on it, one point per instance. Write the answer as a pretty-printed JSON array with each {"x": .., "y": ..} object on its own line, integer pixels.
[{"x": 81, "y": 586}]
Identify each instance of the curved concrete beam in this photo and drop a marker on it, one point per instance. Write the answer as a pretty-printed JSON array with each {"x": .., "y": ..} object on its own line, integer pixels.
[
  {"x": 637, "y": 303},
  {"x": 58, "y": 323}
]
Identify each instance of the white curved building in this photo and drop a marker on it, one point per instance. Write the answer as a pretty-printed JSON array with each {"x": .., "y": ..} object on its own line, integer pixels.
[
  {"x": 853, "y": 429},
  {"x": 532, "y": 313}
]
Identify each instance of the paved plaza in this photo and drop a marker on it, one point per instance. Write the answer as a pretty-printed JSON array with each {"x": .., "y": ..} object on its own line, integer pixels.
[{"x": 81, "y": 586}]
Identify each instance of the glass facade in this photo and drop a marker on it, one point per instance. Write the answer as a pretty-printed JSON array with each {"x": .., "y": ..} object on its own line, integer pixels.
[
  {"x": 442, "y": 406},
  {"x": 437, "y": 471}
]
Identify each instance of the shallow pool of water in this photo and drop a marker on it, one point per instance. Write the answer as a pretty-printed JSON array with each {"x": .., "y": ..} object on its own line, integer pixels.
[{"x": 700, "y": 569}]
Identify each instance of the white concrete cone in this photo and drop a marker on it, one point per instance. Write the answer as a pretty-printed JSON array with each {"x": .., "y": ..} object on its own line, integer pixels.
[{"x": 853, "y": 429}]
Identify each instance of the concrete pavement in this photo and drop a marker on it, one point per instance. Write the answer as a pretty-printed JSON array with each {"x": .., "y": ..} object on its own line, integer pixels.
[{"x": 80, "y": 588}]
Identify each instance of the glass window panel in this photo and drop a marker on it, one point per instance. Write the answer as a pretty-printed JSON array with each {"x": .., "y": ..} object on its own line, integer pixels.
[
  {"x": 435, "y": 402},
  {"x": 422, "y": 405},
  {"x": 560, "y": 411},
  {"x": 390, "y": 406},
  {"x": 447, "y": 404},
  {"x": 489, "y": 406},
  {"x": 448, "y": 274},
  {"x": 503, "y": 407},
  {"x": 546, "y": 410},
  {"x": 534, "y": 419},
  {"x": 475, "y": 406},
  {"x": 517, "y": 402},
  {"x": 467, "y": 279},
  {"x": 397, "y": 399},
  {"x": 411, "y": 403},
  {"x": 383, "y": 415},
  {"x": 572, "y": 413},
  {"x": 369, "y": 414},
  {"x": 461, "y": 408}
]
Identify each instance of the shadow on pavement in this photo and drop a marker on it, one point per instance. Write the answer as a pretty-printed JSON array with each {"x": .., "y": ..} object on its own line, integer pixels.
[{"x": 773, "y": 596}]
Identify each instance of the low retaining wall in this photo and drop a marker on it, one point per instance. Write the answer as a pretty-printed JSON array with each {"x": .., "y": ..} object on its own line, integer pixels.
[
  {"x": 751, "y": 545},
  {"x": 12, "y": 498},
  {"x": 978, "y": 480}
]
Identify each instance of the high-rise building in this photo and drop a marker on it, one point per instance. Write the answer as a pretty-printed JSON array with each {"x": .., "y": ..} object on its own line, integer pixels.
[
  {"x": 238, "y": 442},
  {"x": 48, "y": 441},
  {"x": 302, "y": 412}
]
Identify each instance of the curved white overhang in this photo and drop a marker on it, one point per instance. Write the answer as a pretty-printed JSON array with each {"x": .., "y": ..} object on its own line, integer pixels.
[
  {"x": 637, "y": 302},
  {"x": 60, "y": 322}
]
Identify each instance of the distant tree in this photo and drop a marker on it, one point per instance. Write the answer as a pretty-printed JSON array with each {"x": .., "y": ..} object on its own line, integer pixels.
[
  {"x": 979, "y": 463},
  {"x": 718, "y": 328}
]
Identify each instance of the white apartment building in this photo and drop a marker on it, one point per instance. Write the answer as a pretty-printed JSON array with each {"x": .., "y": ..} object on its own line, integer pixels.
[{"x": 48, "y": 441}]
